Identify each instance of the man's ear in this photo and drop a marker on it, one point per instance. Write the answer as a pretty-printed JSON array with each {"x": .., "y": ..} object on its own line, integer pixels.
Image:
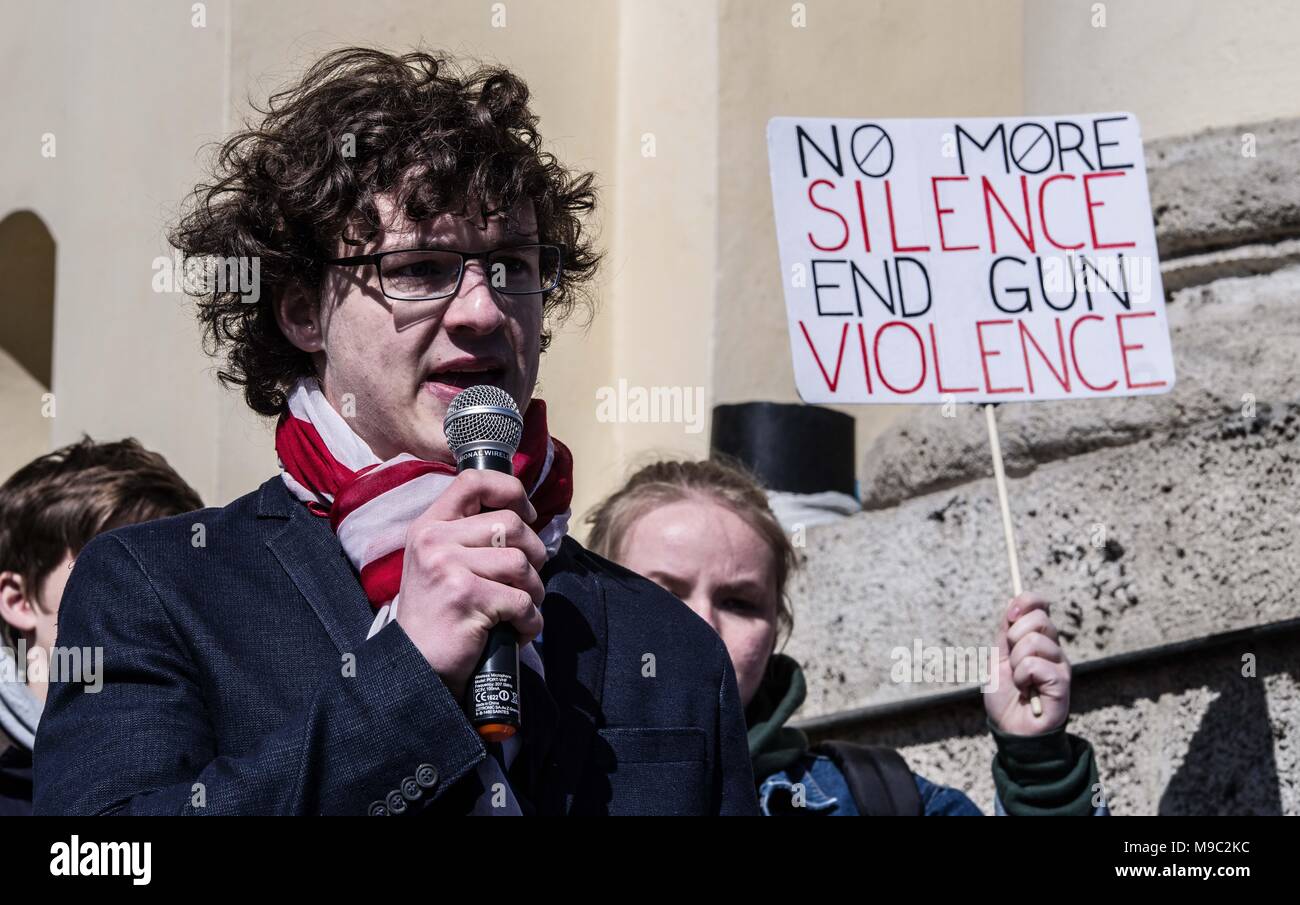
[
  {"x": 16, "y": 605},
  {"x": 297, "y": 312}
]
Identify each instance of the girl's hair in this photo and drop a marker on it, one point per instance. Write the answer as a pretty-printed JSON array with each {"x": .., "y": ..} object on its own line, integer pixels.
[{"x": 725, "y": 482}]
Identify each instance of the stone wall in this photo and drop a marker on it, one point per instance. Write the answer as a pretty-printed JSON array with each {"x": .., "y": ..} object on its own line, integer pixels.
[{"x": 1148, "y": 522}]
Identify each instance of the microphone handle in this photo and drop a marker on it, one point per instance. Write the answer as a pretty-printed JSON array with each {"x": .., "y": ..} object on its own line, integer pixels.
[{"x": 493, "y": 688}]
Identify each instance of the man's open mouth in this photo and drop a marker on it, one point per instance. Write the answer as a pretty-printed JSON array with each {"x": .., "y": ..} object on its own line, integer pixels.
[{"x": 461, "y": 374}]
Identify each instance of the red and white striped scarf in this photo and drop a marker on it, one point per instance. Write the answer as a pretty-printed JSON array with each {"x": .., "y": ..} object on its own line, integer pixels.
[{"x": 370, "y": 502}]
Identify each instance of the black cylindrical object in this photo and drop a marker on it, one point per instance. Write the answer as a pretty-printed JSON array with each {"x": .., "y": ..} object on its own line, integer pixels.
[{"x": 791, "y": 447}]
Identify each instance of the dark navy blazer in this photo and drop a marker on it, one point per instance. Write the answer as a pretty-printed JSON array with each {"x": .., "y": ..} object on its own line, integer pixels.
[{"x": 238, "y": 679}]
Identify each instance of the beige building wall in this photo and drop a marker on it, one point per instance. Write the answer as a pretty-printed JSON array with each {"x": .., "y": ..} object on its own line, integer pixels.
[
  {"x": 126, "y": 92},
  {"x": 26, "y": 429},
  {"x": 667, "y": 101},
  {"x": 1180, "y": 66}
]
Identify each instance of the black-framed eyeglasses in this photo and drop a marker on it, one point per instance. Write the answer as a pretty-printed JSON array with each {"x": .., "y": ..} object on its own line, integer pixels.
[{"x": 423, "y": 274}]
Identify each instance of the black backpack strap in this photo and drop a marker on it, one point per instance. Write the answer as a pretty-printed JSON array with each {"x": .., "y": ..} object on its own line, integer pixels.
[{"x": 880, "y": 780}]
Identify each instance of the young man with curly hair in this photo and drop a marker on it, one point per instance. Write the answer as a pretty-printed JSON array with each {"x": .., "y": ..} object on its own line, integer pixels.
[{"x": 311, "y": 655}]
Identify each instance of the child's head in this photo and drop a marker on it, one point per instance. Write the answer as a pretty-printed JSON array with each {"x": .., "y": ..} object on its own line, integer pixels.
[{"x": 52, "y": 507}]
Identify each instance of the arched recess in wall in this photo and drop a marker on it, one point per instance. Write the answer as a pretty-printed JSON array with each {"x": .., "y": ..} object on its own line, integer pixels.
[
  {"x": 26, "y": 339},
  {"x": 27, "y": 294}
]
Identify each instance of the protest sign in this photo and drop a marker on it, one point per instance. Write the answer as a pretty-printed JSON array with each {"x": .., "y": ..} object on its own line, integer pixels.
[{"x": 968, "y": 259}]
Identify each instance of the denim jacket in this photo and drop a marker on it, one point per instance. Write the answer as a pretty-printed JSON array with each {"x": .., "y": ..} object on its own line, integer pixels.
[
  {"x": 1049, "y": 774},
  {"x": 825, "y": 793}
]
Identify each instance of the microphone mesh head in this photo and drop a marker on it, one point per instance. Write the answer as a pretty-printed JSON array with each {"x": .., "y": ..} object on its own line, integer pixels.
[{"x": 481, "y": 414}]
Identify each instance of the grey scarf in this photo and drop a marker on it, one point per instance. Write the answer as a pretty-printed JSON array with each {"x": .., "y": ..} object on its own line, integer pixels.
[{"x": 19, "y": 709}]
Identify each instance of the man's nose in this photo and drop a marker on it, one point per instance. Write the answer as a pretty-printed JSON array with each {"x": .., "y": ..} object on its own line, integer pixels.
[{"x": 474, "y": 308}]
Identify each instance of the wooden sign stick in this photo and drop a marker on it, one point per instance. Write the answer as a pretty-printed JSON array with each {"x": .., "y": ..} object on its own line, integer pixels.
[{"x": 999, "y": 473}]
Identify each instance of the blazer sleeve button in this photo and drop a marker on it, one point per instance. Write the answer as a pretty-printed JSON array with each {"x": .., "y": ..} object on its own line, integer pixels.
[
  {"x": 426, "y": 775},
  {"x": 396, "y": 803},
  {"x": 411, "y": 790},
  {"x": 377, "y": 809}
]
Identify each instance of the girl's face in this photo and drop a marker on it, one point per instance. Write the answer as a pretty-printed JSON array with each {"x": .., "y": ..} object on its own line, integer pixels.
[{"x": 720, "y": 566}]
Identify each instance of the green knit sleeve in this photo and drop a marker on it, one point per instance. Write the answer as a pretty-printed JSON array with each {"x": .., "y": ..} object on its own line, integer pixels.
[{"x": 1054, "y": 774}]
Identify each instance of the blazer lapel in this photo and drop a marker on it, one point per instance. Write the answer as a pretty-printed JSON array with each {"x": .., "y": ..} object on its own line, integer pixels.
[{"x": 310, "y": 553}]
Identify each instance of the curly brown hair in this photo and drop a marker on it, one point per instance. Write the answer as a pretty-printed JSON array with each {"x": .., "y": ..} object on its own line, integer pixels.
[{"x": 437, "y": 137}]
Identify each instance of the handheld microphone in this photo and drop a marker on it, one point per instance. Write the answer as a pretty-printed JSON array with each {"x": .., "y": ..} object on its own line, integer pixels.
[{"x": 483, "y": 428}]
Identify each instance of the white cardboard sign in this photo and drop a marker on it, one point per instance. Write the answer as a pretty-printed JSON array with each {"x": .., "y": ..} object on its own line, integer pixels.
[{"x": 976, "y": 260}]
